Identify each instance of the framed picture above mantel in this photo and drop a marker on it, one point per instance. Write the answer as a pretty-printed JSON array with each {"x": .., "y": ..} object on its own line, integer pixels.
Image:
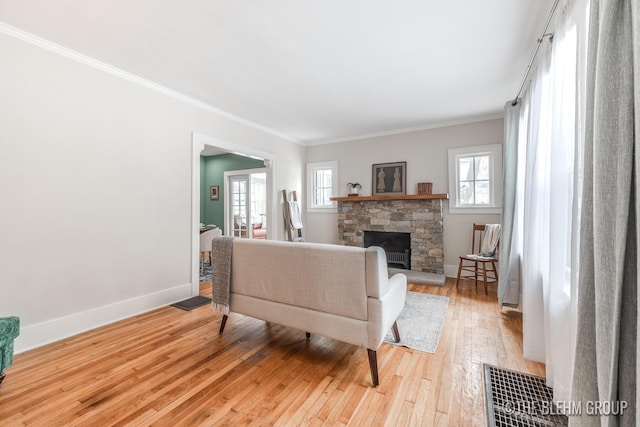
[{"x": 389, "y": 179}]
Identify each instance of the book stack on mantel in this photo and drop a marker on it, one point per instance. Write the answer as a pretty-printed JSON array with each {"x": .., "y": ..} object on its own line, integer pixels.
[
  {"x": 378, "y": 198},
  {"x": 425, "y": 187}
]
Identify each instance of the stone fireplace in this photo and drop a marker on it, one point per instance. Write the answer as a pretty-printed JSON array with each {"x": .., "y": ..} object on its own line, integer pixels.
[{"x": 420, "y": 216}]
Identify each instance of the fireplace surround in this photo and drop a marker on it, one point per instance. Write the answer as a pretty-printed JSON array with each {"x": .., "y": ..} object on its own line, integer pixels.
[{"x": 418, "y": 215}]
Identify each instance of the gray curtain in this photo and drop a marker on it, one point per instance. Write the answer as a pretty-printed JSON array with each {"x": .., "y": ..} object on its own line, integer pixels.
[
  {"x": 606, "y": 363},
  {"x": 509, "y": 277}
]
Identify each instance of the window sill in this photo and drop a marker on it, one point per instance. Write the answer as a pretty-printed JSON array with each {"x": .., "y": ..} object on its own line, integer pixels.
[{"x": 475, "y": 210}]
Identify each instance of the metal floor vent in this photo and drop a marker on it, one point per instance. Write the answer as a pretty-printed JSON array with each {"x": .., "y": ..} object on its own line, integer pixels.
[{"x": 518, "y": 399}]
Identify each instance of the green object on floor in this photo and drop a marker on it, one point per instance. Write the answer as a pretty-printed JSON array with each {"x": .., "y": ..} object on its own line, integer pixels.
[{"x": 9, "y": 330}]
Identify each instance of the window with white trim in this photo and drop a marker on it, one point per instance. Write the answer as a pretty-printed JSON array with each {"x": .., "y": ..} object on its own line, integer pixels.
[
  {"x": 322, "y": 184},
  {"x": 475, "y": 179}
]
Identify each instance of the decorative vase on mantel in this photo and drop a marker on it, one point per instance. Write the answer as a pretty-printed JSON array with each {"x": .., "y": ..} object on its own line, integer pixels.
[{"x": 354, "y": 189}]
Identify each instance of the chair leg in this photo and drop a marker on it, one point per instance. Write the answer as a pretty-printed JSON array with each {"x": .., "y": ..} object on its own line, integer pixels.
[
  {"x": 484, "y": 276},
  {"x": 223, "y": 322},
  {"x": 459, "y": 272},
  {"x": 475, "y": 272},
  {"x": 495, "y": 271},
  {"x": 2, "y": 377},
  {"x": 396, "y": 333},
  {"x": 373, "y": 365}
]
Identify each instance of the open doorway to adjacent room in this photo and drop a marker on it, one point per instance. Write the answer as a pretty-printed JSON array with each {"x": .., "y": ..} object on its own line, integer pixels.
[
  {"x": 223, "y": 176},
  {"x": 233, "y": 190}
]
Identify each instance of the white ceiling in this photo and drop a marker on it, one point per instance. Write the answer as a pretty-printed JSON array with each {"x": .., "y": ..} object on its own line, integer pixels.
[{"x": 314, "y": 71}]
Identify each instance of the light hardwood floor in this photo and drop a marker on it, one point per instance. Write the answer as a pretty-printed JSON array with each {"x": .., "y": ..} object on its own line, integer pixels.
[{"x": 170, "y": 367}]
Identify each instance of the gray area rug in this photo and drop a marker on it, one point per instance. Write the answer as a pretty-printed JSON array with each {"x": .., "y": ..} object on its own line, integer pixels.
[
  {"x": 205, "y": 274},
  {"x": 420, "y": 322}
]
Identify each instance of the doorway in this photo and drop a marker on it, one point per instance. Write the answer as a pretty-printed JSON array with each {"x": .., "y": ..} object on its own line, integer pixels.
[
  {"x": 246, "y": 203},
  {"x": 199, "y": 143}
]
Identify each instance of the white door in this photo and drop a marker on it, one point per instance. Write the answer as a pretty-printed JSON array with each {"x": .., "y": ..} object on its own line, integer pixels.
[{"x": 239, "y": 205}]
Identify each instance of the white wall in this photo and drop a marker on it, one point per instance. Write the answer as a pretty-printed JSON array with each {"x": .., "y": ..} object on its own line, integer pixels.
[
  {"x": 95, "y": 190},
  {"x": 426, "y": 155}
]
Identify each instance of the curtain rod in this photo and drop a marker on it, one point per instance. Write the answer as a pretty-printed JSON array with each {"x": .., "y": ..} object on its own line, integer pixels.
[{"x": 533, "y": 58}]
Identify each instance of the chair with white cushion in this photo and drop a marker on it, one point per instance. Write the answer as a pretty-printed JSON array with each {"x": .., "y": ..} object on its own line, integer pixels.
[{"x": 205, "y": 245}]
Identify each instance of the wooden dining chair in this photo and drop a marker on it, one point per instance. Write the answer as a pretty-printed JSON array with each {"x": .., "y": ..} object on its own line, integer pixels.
[{"x": 476, "y": 264}]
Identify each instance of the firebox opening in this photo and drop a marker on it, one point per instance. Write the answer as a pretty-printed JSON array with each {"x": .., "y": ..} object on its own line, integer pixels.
[{"x": 397, "y": 247}]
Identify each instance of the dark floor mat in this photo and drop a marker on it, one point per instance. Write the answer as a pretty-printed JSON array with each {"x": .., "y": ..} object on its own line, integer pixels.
[
  {"x": 193, "y": 302},
  {"x": 518, "y": 399}
]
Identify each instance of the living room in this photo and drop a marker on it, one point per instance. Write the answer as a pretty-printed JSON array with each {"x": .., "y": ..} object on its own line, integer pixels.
[{"x": 100, "y": 224}]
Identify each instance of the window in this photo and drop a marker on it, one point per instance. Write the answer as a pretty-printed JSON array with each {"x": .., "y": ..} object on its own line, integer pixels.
[
  {"x": 475, "y": 179},
  {"x": 322, "y": 184}
]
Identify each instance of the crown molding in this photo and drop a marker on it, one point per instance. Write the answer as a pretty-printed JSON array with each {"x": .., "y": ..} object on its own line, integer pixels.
[
  {"x": 436, "y": 125},
  {"x": 102, "y": 66}
]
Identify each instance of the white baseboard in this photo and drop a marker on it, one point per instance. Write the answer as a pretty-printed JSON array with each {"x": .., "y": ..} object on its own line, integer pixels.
[
  {"x": 39, "y": 334},
  {"x": 451, "y": 270}
]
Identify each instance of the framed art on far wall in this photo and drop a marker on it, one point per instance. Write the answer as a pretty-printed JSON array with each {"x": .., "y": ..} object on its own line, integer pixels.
[
  {"x": 214, "y": 192},
  {"x": 389, "y": 179}
]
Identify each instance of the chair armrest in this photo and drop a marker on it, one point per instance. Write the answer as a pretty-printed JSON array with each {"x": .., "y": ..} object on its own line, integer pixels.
[
  {"x": 384, "y": 311},
  {"x": 398, "y": 280},
  {"x": 9, "y": 327}
]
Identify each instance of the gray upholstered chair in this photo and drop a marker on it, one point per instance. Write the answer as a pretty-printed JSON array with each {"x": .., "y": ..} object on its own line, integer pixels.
[{"x": 9, "y": 330}]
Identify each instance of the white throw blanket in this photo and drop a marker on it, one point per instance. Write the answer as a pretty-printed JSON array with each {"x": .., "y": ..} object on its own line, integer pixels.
[
  {"x": 490, "y": 239},
  {"x": 294, "y": 215}
]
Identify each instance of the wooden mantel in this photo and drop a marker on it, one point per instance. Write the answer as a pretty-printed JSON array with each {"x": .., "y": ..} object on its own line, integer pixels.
[{"x": 380, "y": 198}]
